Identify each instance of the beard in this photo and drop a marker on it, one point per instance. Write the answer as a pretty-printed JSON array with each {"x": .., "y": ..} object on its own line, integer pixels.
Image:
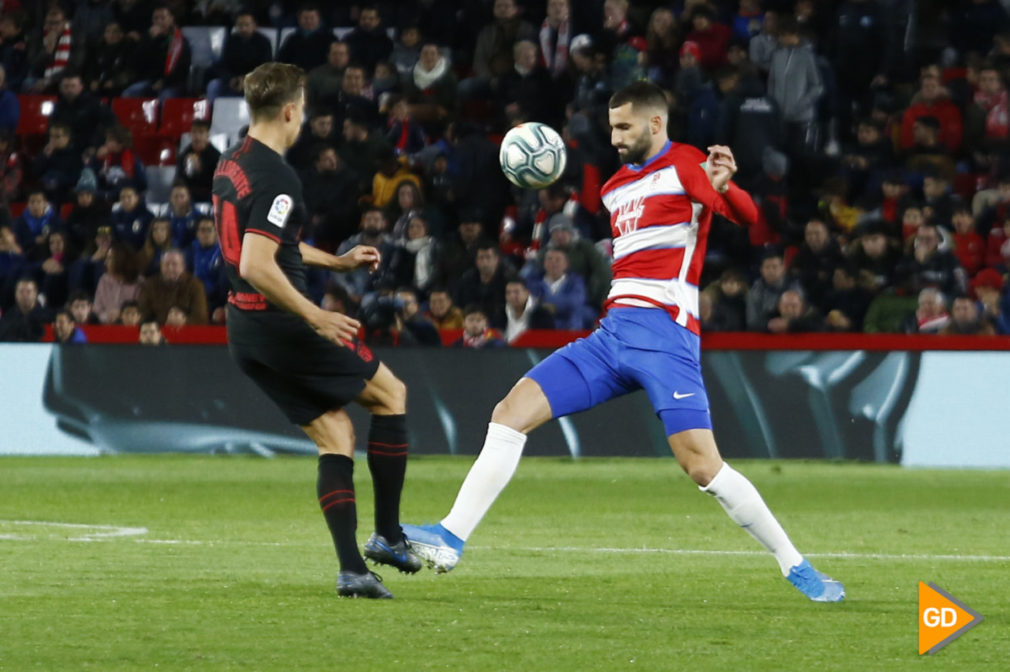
[{"x": 637, "y": 152}]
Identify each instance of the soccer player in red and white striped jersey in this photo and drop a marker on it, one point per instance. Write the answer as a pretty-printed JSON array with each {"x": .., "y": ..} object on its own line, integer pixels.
[{"x": 661, "y": 204}]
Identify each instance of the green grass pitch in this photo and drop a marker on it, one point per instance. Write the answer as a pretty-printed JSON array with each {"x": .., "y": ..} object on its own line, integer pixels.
[{"x": 581, "y": 565}]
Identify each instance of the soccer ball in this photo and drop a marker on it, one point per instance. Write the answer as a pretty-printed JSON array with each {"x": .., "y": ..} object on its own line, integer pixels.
[{"x": 532, "y": 155}]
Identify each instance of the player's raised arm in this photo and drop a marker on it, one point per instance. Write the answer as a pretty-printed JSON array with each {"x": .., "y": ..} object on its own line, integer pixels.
[
  {"x": 712, "y": 186},
  {"x": 258, "y": 266}
]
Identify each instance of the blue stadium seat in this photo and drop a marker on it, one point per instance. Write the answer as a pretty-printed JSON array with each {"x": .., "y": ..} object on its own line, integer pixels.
[
  {"x": 159, "y": 183},
  {"x": 206, "y": 44},
  {"x": 230, "y": 115}
]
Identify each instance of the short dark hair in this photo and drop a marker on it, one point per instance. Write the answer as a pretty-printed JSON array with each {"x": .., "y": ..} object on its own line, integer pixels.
[
  {"x": 318, "y": 150},
  {"x": 474, "y": 308},
  {"x": 64, "y": 311},
  {"x": 148, "y": 319},
  {"x": 643, "y": 93},
  {"x": 129, "y": 304},
  {"x": 270, "y": 87},
  {"x": 78, "y": 295},
  {"x": 199, "y": 123},
  {"x": 488, "y": 245}
]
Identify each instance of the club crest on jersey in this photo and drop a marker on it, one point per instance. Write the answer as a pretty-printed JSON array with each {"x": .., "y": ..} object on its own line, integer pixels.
[
  {"x": 280, "y": 209},
  {"x": 628, "y": 214}
]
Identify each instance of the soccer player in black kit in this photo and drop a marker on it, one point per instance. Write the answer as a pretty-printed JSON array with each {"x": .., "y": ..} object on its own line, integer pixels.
[{"x": 306, "y": 359}]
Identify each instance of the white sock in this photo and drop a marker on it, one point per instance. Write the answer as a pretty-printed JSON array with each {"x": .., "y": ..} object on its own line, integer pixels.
[
  {"x": 488, "y": 476},
  {"x": 743, "y": 503}
]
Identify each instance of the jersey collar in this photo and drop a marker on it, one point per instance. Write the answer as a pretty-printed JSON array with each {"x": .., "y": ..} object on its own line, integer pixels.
[{"x": 652, "y": 159}]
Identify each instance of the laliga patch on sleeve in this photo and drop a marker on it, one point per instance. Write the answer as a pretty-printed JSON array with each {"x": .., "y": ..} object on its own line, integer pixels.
[{"x": 280, "y": 210}]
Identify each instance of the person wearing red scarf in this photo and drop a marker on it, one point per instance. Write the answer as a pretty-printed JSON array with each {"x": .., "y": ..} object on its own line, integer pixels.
[{"x": 165, "y": 58}]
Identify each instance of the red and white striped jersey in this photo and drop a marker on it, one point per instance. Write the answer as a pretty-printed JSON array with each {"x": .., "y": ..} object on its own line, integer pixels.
[{"x": 660, "y": 214}]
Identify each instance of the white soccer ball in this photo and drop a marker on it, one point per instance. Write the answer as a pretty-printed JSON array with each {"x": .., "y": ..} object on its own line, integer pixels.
[{"x": 532, "y": 155}]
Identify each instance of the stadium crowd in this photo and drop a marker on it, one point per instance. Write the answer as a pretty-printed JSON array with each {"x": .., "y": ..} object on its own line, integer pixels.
[{"x": 873, "y": 134}]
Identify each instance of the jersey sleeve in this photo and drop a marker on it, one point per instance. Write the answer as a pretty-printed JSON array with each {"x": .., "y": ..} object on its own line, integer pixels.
[
  {"x": 735, "y": 205},
  {"x": 272, "y": 206}
]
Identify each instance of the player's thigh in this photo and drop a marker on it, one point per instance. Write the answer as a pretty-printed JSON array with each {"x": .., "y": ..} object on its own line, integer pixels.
[
  {"x": 332, "y": 432},
  {"x": 384, "y": 393},
  {"x": 697, "y": 454}
]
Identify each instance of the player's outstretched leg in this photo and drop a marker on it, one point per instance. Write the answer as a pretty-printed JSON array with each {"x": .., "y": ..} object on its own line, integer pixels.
[
  {"x": 696, "y": 451},
  {"x": 333, "y": 433},
  {"x": 385, "y": 396},
  {"x": 522, "y": 410}
]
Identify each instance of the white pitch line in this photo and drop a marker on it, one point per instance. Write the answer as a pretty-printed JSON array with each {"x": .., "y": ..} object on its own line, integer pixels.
[
  {"x": 102, "y": 531},
  {"x": 692, "y": 551}
]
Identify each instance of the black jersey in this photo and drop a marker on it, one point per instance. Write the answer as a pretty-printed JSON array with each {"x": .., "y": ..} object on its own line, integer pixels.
[{"x": 256, "y": 191}]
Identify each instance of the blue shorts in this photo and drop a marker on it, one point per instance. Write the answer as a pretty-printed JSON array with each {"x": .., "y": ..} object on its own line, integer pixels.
[{"x": 634, "y": 349}]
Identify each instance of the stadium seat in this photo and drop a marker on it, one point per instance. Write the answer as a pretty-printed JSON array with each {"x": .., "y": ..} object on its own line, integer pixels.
[
  {"x": 159, "y": 183},
  {"x": 140, "y": 115},
  {"x": 219, "y": 140},
  {"x": 35, "y": 111},
  {"x": 155, "y": 150},
  {"x": 341, "y": 32},
  {"x": 177, "y": 115},
  {"x": 230, "y": 115},
  {"x": 65, "y": 210},
  {"x": 18, "y": 208},
  {"x": 285, "y": 33},
  {"x": 206, "y": 43}
]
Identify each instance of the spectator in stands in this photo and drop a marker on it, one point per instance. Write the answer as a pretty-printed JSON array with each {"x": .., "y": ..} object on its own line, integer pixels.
[
  {"x": 987, "y": 117},
  {"x": 763, "y": 45},
  {"x": 402, "y": 131},
  {"x": 80, "y": 306},
  {"x": 939, "y": 202},
  {"x": 308, "y": 46},
  {"x": 711, "y": 37},
  {"x": 116, "y": 166},
  {"x": 11, "y": 170},
  {"x": 911, "y": 219},
  {"x": 408, "y": 203},
  {"x": 150, "y": 332},
  {"x": 763, "y": 297},
  {"x": 164, "y": 59},
  {"x": 794, "y": 82},
  {"x": 728, "y": 299},
  {"x": 174, "y": 287},
  {"x": 430, "y": 88},
  {"x": 815, "y": 263},
  {"x": 478, "y": 182},
  {"x": 987, "y": 287},
  {"x": 88, "y": 118},
  {"x": 460, "y": 249},
  {"x": 177, "y": 317},
  {"x": 930, "y": 317},
  {"x": 204, "y": 257},
  {"x": 110, "y": 64},
  {"x": 932, "y": 101},
  {"x": 973, "y": 25},
  {"x": 24, "y": 322},
  {"x": 414, "y": 261},
  {"x": 621, "y": 44},
  {"x": 58, "y": 166},
  {"x": 325, "y": 81},
  {"x": 492, "y": 56},
  {"x": 362, "y": 150},
  {"x": 927, "y": 266},
  {"x": 859, "y": 55},
  {"x": 10, "y": 108},
  {"x": 484, "y": 284},
  {"x": 751, "y": 123},
  {"x": 51, "y": 272},
  {"x": 793, "y": 315},
  {"x": 244, "y": 49},
  {"x": 33, "y": 226},
  {"x": 12, "y": 264},
  {"x": 476, "y": 332},
  {"x": 392, "y": 172},
  {"x": 55, "y": 50},
  {"x": 968, "y": 245},
  {"x": 330, "y": 193},
  {"x": 318, "y": 132},
  {"x": 406, "y": 51},
  {"x": 522, "y": 312},
  {"x": 966, "y": 321},
  {"x": 88, "y": 213},
  {"x": 563, "y": 293},
  {"x": 584, "y": 258},
  {"x": 197, "y": 162},
  {"x": 65, "y": 330},
  {"x": 355, "y": 97},
  {"x": 129, "y": 315},
  {"x": 361, "y": 281},
  {"x": 927, "y": 153},
  {"x": 368, "y": 41},
  {"x": 411, "y": 322},
  {"x": 846, "y": 304},
  {"x": 997, "y": 252},
  {"x": 120, "y": 283},
  {"x": 870, "y": 153},
  {"x": 130, "y": 218},
  {"x": 183, "y": 216},
  {"x": 662, "y": 40},
  {"x": 555, "y": 38},
  {"x": 90, "y": 19},
  {"x": 134, "y": 16},
  {"x": 527, "y": 92},
  {"x": 159, "y": 241},
  {"x": 13, "y": 49},
  {"x": 441, "y": 311}
]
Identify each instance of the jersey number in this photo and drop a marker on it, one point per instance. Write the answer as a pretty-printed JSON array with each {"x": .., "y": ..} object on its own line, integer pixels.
[{"x": 227, "y": 231}]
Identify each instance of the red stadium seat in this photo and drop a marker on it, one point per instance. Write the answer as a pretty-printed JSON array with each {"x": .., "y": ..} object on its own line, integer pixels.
[
  {"x": 65, "y": 210},
  {"x": 140, "y": 115},
  {"x": 35, "y": 111},
  {"x": 177, "y": 115},
  {"x": 156, "y": 150},
  {"x": 18, "y": 208}
]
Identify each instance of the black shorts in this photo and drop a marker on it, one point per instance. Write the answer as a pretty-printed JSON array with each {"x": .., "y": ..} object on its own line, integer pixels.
[{"x": 302, "y": 372}]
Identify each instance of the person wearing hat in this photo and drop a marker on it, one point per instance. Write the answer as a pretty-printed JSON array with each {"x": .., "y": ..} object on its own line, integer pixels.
[
  {"x": 987, "y": 288},
  {"x": 58, "y": 165},
  {"x": 89, "y": 213},
  {"x": 583, "y": 258}
]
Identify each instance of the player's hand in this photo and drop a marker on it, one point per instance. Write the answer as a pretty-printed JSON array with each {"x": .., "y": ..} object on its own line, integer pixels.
[
  {"x": 335, "y": 327},
  {"x": 360, "y": 255},
  {"x": 720, "y": 167}
]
